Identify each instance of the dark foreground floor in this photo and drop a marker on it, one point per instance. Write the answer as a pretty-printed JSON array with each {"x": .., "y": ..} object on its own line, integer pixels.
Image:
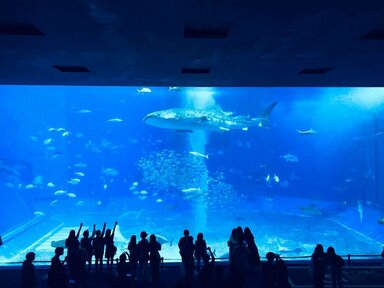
[{"x": 354, "y": 276}]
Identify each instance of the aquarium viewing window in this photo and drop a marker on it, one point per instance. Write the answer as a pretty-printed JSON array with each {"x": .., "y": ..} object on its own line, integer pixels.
[{"x": 298, "y": 166}]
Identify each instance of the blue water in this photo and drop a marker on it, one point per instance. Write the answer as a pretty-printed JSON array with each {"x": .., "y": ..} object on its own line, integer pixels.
[{"x": 133, "y": 173}]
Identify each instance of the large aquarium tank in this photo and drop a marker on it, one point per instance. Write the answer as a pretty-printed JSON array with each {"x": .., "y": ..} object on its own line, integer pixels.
[{"x": 298, "y": 166}]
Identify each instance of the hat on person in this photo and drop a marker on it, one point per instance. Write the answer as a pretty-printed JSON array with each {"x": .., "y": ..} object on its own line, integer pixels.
[{"x": 143, "y": 234}]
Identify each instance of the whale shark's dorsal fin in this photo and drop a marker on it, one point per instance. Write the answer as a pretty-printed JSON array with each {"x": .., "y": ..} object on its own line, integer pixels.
[{"x": 267, "y": 111}]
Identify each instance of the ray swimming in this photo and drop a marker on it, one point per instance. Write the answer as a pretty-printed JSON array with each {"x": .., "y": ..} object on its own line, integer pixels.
[{"x": 188, "y": 120}]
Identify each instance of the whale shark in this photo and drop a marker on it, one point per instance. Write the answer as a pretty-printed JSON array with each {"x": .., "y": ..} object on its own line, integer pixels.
[{"x": 215, "y": 119}]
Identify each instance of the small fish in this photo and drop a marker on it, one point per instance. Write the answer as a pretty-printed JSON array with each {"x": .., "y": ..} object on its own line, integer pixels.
[
  {"x": 80, "y": 174},
  {"x": 60, "y": 129},
  {"x": 267, "y": 178},
  {"x": 198, "y": 154},
  {"x": 306, "y": 132},
  {"x": 74, "y": 181},
  {"x": 51, "y": 129},
  {"x": 38, "y": 213},
  {"x": 143, "y": 192},
  {"x": 159, "y": 200},
  {"x": 190, "y": 190},
  {"x": 110, "y": 172},
  {"x": 53, "y": 203},
  {"x": 381, "y": 221},
  {"x": 276, "y": 178},
  {"x": 84, "y": 111},
  {"x": 48, "y": 141},
  {"x": 80, "y": 203},
  {"x": 114, "y": 120},
  {"x": 80, "y": 165},
  {"x": 71, "y": 195},
  {"x": 65, "y": 134},
  {"x": 144, "y": 90},
  {"x": 105, "y": 186},
  {"x": 290, "y": 158},
  {"x": 98, "y": 203},
  {"x": 135, "y": 184},
  {"x": 175, "y": 88},
  {"x": 29, "y": 186},
  {"x": 60, "y": 192},
  {"x": 51, "y": 185}
]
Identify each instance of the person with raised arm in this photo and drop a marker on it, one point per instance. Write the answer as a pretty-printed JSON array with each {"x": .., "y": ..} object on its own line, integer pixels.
[
  {"x": 86, "y": 244},
  {"x": 98, "y": 247},
  {"x": 73, "y": 239},
  {"x": 110, "y": 248}
]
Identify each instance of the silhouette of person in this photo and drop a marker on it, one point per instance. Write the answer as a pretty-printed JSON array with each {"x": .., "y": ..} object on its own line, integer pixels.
[
  {"x": 239, "y": 262},
  {"x": 207, "y": 273},
  {"x": 28, "y": 279},
  {"x": 253, "y": 252},
  {"x": 76, "y": 260},
  {"x": 154, "y": 258},
  {"x": 98, "y": 247},
  {"x": 318, "y": 266},
  {"x": 123, "y": 269},
  {"x": 186, "y": 249},
  {"x": 336, "y": 263},
  {"x": 231, "y": 243},
  {"x": 110, "y": 248},
  {"x": 57, "y": 277},
  {"x": 200, "y": 249},
  {"x": 143, "y": 256},
  {"x": 1, "y": 240},
  {"x": 133, "y": 255},
  {"x": 72, "y": 240},
  {"x": 86, "y": 244}
]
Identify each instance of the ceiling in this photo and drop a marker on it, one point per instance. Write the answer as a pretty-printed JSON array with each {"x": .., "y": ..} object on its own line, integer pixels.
[{"x": 192, "y": 43}]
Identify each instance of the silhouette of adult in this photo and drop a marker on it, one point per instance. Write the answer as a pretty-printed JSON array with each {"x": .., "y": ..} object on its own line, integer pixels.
[
  {"x": 98, "y": 247},
  {"x": 76, "y": 260},
  {"x": 133, "y": 255},
  {"x": 207, "y": 272},
  {"x": 154, "y": 258},
  {"x": 28, "y": 279},
  {"x": 110, "y": 248},
  {"x": 73, "y": 239},
  {"x": 336, "y": 263},
  {"x": 143, "y": 256},
  {"x": 318, "y": 266},
  {"x": 239, "y": 259},
  {"x": 186, "y": 249},
  {"x": 200, "y": 250},
  {"x": 1, "y": 240},
  {"x": 86, "y": 244},
  {"x": 57, "y": 277},
  {"x": 253, "y": 252}
]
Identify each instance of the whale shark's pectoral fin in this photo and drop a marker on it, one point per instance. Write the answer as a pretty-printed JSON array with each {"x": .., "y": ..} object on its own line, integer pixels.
[{"x": 184, "y": 131}]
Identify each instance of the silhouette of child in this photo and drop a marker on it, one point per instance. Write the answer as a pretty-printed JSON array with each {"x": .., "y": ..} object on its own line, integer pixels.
[
  {"x": 133, "y": 255},
  {"x": 56, "y": 275},
  {"x": 28, "y": 279}
]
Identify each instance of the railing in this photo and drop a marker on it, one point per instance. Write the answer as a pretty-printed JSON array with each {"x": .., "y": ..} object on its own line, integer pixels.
[{"x": 347, "y": 257}]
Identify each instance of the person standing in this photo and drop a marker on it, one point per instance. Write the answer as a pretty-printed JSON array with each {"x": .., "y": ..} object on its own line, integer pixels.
[
  {"x": 86, "y": 244},
  {"x": 98, "y": 247},
  {"x": 154, "y": 258},
  {"x": 110, "y": 248},
  {"x": 28, "y": 279},
  {"x": 336, "y": 263},
  {"x": 318, "y": 266}
]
